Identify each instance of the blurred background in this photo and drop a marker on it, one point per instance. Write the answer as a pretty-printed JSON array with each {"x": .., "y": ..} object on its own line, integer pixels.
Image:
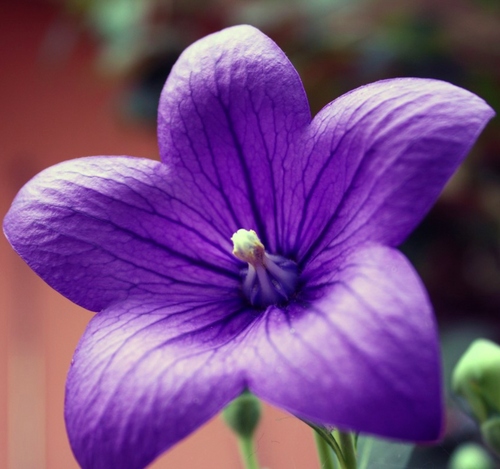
[{"x": 83, "y": 77}]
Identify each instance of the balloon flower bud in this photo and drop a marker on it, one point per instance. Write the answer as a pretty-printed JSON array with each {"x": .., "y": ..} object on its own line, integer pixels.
[
  {"x": 476, "y": 378},
  {"x": 470, "y": 456},
  {"x": 243, "y": 415}
]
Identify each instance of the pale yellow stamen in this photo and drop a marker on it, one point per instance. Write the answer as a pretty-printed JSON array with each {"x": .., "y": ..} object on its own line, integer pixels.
[
  {"x": 247, "y": 247},
  {"x": 268, "y": 279}
]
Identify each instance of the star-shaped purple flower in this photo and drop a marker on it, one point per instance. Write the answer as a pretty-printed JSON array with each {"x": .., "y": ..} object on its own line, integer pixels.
[{"x": 324, "y": 319}]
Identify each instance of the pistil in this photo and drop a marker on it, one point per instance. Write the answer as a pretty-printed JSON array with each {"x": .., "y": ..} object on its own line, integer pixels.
[{"x": 269, "y": 279}]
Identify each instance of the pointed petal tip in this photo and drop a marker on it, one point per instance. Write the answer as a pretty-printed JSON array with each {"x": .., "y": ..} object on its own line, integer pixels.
[
  {"x": 369, "y": 346},
  {"x": 143, "y": 378},
  {"x": 476, "y": 103},
  {"x": 417, "y": 130},
  {"x": 95, "y": 229}
]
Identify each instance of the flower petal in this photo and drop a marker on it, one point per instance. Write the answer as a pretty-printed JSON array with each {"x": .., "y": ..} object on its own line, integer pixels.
[
  {"x": 103, "y": 228},
  {"x": 228, "y": 115},
  {"x": 376, "y": 159},
  {"x": 144, "y": 376},
  {"x": 363, "y": 357}
]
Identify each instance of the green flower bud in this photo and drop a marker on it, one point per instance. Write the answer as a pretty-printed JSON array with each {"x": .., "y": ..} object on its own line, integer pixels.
[
  {"x": 470, "y": 456},
  {"x": 243, "y": 414},
  {"x": 490, "y": 430},
  {"x": 477, "y": 378}
]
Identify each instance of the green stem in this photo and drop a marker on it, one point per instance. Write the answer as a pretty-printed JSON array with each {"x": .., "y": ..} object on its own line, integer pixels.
[
  {"x": 342, "y": 444},
  {"x": 248, "y": 453},
  {"x": 346, "y": 442},
  {"x": 329, "y": 439},
  {"x": 325, "y": 455}
]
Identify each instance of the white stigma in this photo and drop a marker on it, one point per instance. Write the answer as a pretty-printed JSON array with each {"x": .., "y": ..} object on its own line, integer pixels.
[
  {"x": 269, "y": 279},
  {"x": 247, "y": 247}
]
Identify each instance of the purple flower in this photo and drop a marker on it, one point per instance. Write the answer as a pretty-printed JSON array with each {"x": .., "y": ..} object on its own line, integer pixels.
[{"x": 327, "y": 321}]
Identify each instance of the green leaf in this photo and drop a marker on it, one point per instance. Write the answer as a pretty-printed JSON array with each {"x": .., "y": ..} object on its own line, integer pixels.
[{"x": 381, "y": 454}]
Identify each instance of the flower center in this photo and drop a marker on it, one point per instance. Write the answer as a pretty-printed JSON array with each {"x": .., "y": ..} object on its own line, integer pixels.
[{"x": 269, "y": 279}]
